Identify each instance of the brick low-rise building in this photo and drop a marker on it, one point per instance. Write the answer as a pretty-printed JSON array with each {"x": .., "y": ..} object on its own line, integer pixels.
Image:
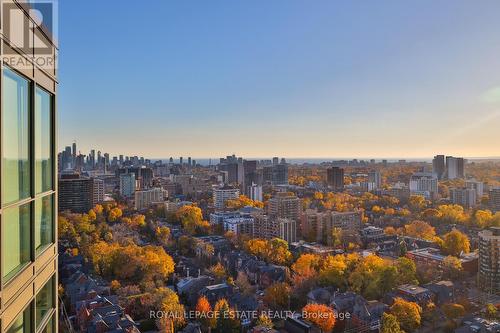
[{"x": 434, "y": 257}]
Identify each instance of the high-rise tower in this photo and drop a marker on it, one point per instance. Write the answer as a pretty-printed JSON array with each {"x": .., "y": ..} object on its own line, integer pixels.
[{"x": 28, "y": 196}]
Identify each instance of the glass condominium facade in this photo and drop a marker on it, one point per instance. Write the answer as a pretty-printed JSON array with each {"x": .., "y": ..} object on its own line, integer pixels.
[{"x": 28, "y": 182}]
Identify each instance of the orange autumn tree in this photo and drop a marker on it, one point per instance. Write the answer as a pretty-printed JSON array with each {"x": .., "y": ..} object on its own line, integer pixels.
[
  {"x": 305, "y": 267},
  {"x": 204, "y": 312},
  {"x": 390, "y": 231},
  {"x": 320, "y": 315},
  {"x": 256, "y": 247}
]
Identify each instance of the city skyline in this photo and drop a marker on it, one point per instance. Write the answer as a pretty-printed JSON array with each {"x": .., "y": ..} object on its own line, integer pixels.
[
  {"x": 294, "y": 159},
  {"x": 314, "y": 81}
]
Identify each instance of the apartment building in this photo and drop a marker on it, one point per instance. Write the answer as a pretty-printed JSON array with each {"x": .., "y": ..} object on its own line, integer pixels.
[
  {"x": 287, "y": 229},
  {"x": 374, "y": 180},
  {"x": 439, "y": 166},
  {"x": 240, "y": 225},
  {"x": 335, "y": 178},
  {"x": 75, "y": 192},
  {"x": 311, "y": 225},
  {"x": 489, "y": 259},
  {"x": 285, "y": 205},
  {"x": 455, "y": 167},
  {"x": 28, "y": 195},
  {"x": 400, "y": 191},
  {"x": 143, "y": 175},
  {"x": 494, "y": 199},
  {"x": 145, "y": 198},
  {"x": 429, "y": 256},
  {"x": 466, "y": 197},
  {"x": 222, "y": 195},
  {"x": 268, "y": 227},
  {"x": 425, "y": 184},
  {"x": 319, "y": 226},
  {"x": 477, "y": 186},
  {"x": 127, "y": 184},
  {"x": 255, "y": 192},
  {"x": 97, "y": 191}
]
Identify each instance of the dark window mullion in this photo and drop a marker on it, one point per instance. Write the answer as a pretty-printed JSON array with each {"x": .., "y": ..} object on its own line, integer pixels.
[{"x": 31, "y": 126}]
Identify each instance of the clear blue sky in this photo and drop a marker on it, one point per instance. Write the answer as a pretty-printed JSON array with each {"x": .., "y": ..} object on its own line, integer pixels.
[{"x": 280, "y": 77}]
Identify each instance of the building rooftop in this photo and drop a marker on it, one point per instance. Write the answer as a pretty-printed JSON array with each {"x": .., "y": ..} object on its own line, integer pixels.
[
  {"x": 217, "y": 286},
  {"x": 435, "y": 254},
  {"x": 412, "y": 289}
]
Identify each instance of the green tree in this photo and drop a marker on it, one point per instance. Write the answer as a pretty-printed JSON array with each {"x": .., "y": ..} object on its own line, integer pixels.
[
  {"x": 407, "y": 271},
  {"x": 373, "y": 277},
  {"x": 452, "y": 268},
  {"x": 277, "y": 251}
]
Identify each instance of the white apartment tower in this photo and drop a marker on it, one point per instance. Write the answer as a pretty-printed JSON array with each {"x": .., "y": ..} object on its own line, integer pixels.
[
  {"x": 222, "y": 195},
  {"x": 255, "y": 192},
  {"x": 424, "y": 183}
]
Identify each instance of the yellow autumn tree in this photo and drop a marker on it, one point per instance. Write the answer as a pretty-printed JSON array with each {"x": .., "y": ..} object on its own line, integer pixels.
[
  {"x": 420, "y": 229},
  {"x": 243, "y": 201},
  {"x": 407, "y": 313},
  {"x": 114, "y": 214},
  {"x": 456, "y": 242}
]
